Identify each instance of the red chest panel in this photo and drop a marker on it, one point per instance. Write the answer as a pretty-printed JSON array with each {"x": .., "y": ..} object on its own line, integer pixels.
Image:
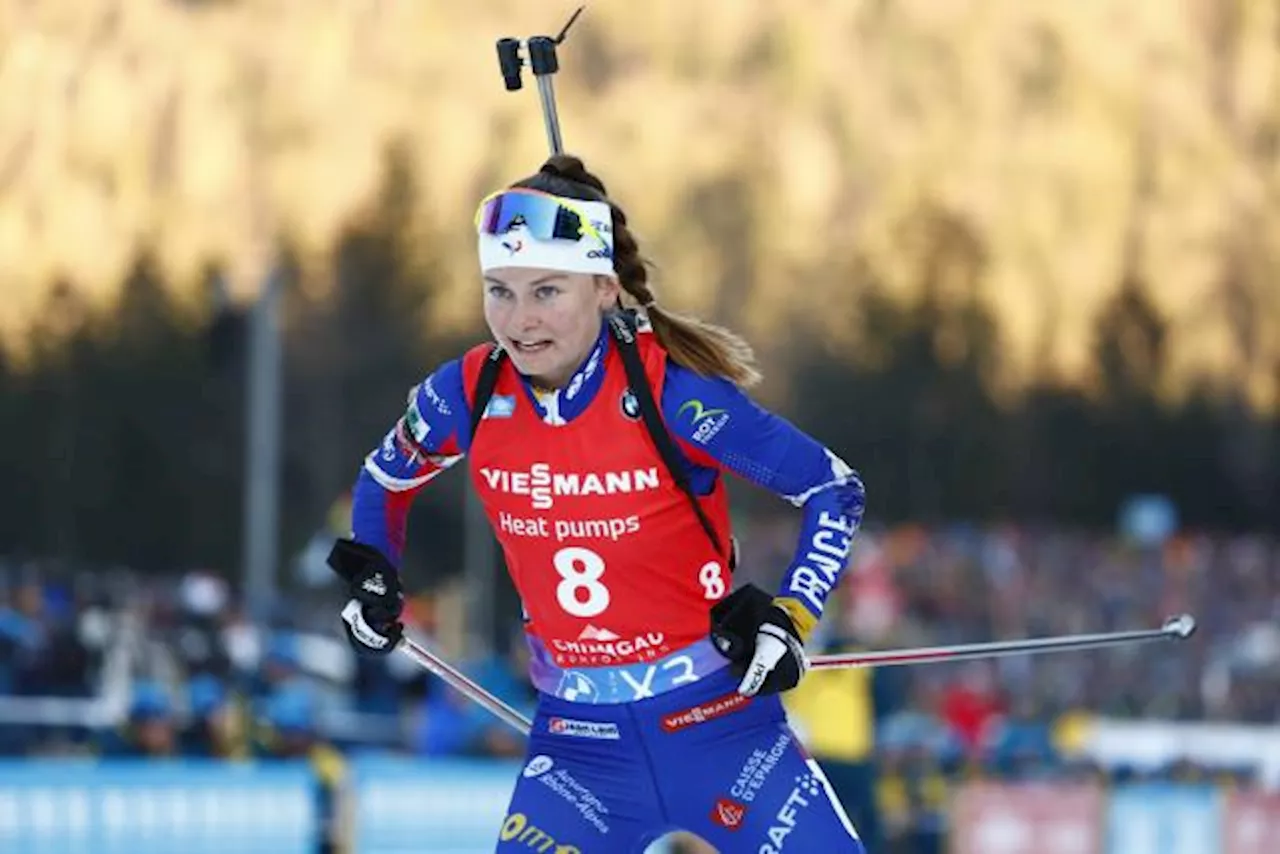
[{"x": 604, "y": 549}]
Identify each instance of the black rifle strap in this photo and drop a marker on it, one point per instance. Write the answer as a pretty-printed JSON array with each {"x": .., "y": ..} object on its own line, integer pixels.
[
  {"x": 485, "y": 384},
  {"x": 624, "y": 333}
]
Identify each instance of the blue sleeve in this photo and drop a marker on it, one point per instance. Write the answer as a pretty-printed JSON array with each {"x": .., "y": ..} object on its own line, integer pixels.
[
  {"x": 713, "y": 418},
  {"x": 429, "y": 437}
]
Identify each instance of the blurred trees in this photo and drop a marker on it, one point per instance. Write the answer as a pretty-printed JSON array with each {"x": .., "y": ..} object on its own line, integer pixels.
[
  {"x": 122, "y": 428},
  {"x": 1012, "y": 260},
  {"x": 935, "y": 442},
  {"x": 914, "y": 402},
  {"x": 754, "y": 147}
]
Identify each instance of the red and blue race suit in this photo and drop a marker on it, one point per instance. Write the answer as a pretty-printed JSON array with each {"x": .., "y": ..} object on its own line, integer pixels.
[{"x": 639, "y": 728}]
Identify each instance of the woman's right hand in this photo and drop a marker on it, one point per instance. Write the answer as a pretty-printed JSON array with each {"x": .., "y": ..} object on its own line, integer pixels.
[{"x": 371, "y": 617}]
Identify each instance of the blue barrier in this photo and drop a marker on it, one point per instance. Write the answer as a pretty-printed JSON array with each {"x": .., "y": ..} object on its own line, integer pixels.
[
  {"x": 434, "y": 806},
  {"x": 394, "y": 806},
  {"x": 79, "y": 807},
  {"x": 1164, "y": 818},
  {"x": 424, "y": 805}
]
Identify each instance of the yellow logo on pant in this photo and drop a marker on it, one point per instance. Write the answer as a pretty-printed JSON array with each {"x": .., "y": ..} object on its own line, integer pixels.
[{"x": 516, "y": 826}]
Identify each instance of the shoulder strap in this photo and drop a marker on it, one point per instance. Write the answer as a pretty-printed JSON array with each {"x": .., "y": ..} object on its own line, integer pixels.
[
  {"x": 624, "y": 333},
  {"x": 485, "y": 384}
]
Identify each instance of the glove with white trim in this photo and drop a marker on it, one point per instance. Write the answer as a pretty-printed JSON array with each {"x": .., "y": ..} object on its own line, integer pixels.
[
  {"x": 371, "y": 617},
  {"x": 761, "y": 641}
]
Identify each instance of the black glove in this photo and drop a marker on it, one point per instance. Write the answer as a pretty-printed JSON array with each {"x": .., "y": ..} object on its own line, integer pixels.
[
  {"x": 371, "y": 617},
  {"x": 760, "y": 640}
]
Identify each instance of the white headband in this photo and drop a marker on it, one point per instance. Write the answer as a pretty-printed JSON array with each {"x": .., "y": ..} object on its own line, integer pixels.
[{"x": 516, "y": 248}]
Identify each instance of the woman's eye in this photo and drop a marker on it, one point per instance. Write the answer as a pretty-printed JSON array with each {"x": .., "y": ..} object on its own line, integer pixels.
[
  {"x": 499, "y": 291},
  {"x": 546, "y": 292}
]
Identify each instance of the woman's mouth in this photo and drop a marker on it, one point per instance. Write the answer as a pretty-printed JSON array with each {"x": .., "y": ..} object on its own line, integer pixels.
[{"x": 531, "y": 347}]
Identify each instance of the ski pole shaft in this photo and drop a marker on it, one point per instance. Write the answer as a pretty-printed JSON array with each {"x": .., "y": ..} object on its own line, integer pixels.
[{"x": 1179, "y": 627}]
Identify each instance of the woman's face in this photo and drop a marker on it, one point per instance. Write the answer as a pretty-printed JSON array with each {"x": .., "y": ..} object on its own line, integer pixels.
[{"x": 547, "y": 321}]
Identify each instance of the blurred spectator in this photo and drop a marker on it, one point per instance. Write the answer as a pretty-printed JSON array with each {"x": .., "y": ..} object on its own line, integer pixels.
[
  {"x": 196, "y": 635},
  {"x": 215, "y": 729},
  {"x": 913, "y": 788},
  {"x": 834, "y": 713},
  {"x": 446, "y": 722},
  {"x": 150, "y": 730},
  {"x": 504, "y": 676},
  {"x": 971, "y": 704},
  {"x": 68, "y": 636},
  {"x": 288, "y": 729},
  {"x": 1019, "y": 745},
  {"x": 280, "y": 666},
  {"x": 21, "y": 638}
]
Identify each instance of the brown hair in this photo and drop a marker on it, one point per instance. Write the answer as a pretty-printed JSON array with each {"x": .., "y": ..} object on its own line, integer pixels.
[{"x": 705, "y": 348}]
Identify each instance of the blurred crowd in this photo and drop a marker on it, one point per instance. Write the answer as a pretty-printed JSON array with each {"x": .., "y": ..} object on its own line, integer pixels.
[
  {"x": 101, "y": 661},
  {"x": 912, "y": 586}
]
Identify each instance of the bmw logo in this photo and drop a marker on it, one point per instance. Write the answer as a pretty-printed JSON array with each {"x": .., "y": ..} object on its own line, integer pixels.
[{"x": 630, "y": 405}]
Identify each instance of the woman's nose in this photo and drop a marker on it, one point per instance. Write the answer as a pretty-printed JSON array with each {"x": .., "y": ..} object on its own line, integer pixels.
[{"x": 524, "y": 316}]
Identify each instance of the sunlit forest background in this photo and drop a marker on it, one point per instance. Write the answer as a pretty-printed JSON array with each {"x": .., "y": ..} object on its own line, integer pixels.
[{"x": 1013, "y": 260}]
